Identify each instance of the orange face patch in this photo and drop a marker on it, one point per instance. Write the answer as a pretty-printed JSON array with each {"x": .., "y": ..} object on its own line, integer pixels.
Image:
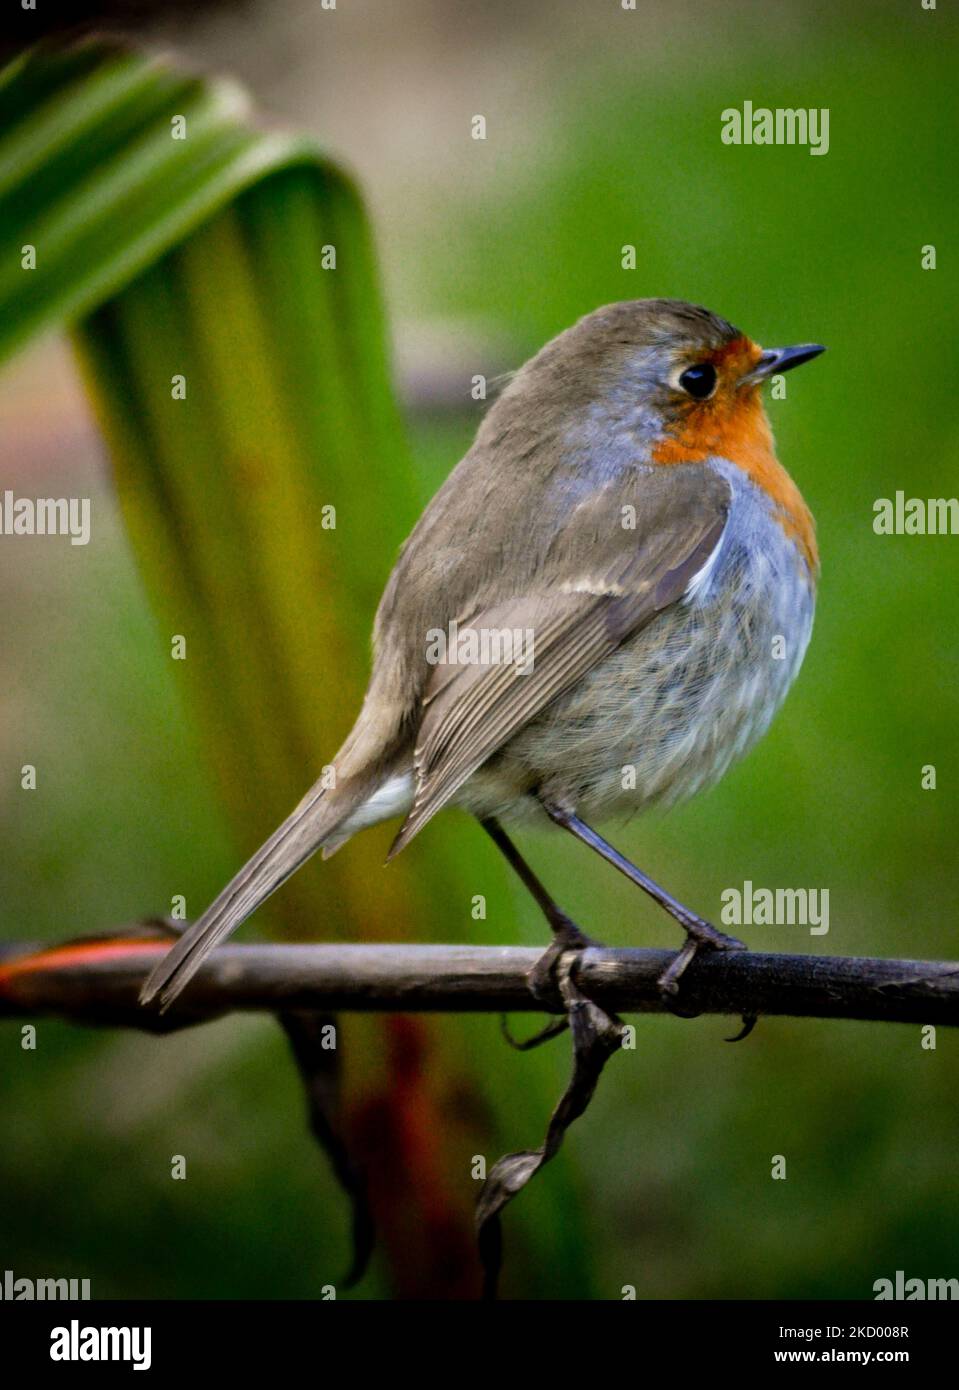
[{"x": 732, "y": 425}]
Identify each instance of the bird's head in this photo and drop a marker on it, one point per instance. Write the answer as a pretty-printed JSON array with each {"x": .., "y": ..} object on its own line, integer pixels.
[{"x": 664, "y": 382}]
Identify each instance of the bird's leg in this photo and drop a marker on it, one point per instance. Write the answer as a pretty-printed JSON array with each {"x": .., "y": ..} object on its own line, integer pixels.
[
  {"x": 566, "y": 934},
  {"x": 699, "y": 933}
]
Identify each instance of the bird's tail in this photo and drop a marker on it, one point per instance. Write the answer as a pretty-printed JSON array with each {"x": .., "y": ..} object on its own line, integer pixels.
[{"x": 314, "y": 823}]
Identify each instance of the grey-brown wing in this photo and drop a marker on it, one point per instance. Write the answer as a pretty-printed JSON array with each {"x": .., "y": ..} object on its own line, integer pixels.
[{"x": 582, "y": 612}]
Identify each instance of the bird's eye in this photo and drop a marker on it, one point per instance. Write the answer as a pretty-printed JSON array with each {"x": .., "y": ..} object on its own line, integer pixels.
[{"x": 699, "y": 381}]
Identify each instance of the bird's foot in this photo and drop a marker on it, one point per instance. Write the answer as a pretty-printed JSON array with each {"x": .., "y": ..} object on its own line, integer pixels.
[
  {"x": 548, "y": 976},
  {"x": 700, "y": 936},
  {"x": 543, "y": 978}
]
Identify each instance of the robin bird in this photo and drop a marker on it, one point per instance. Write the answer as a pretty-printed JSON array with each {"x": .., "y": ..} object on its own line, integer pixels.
[{"x": 622, "y": 509}]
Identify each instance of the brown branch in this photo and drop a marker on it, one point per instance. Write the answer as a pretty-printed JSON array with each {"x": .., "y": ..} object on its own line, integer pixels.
[{"x": 98, "y": 981}]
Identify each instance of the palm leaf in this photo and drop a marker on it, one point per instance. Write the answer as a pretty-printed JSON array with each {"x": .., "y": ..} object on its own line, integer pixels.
[{"x": 208, "y": 261}]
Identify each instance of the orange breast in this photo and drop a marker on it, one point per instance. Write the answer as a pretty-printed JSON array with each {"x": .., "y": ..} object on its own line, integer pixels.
[{"x": 733, "y": 425}]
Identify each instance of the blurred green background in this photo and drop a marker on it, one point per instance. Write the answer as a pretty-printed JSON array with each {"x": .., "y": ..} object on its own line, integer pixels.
[{"x": 603, "y": 130}]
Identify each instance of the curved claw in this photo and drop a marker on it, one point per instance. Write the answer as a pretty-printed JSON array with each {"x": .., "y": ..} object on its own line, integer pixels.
[
  {"x": 677, "y": 1012},
  {"x": 552, "y": 1030},
  {"x": 749, "y": 1023}
]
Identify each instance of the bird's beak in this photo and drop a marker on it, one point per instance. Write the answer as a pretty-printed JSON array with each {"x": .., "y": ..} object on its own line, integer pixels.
[{"x": 775, "y": 360}]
